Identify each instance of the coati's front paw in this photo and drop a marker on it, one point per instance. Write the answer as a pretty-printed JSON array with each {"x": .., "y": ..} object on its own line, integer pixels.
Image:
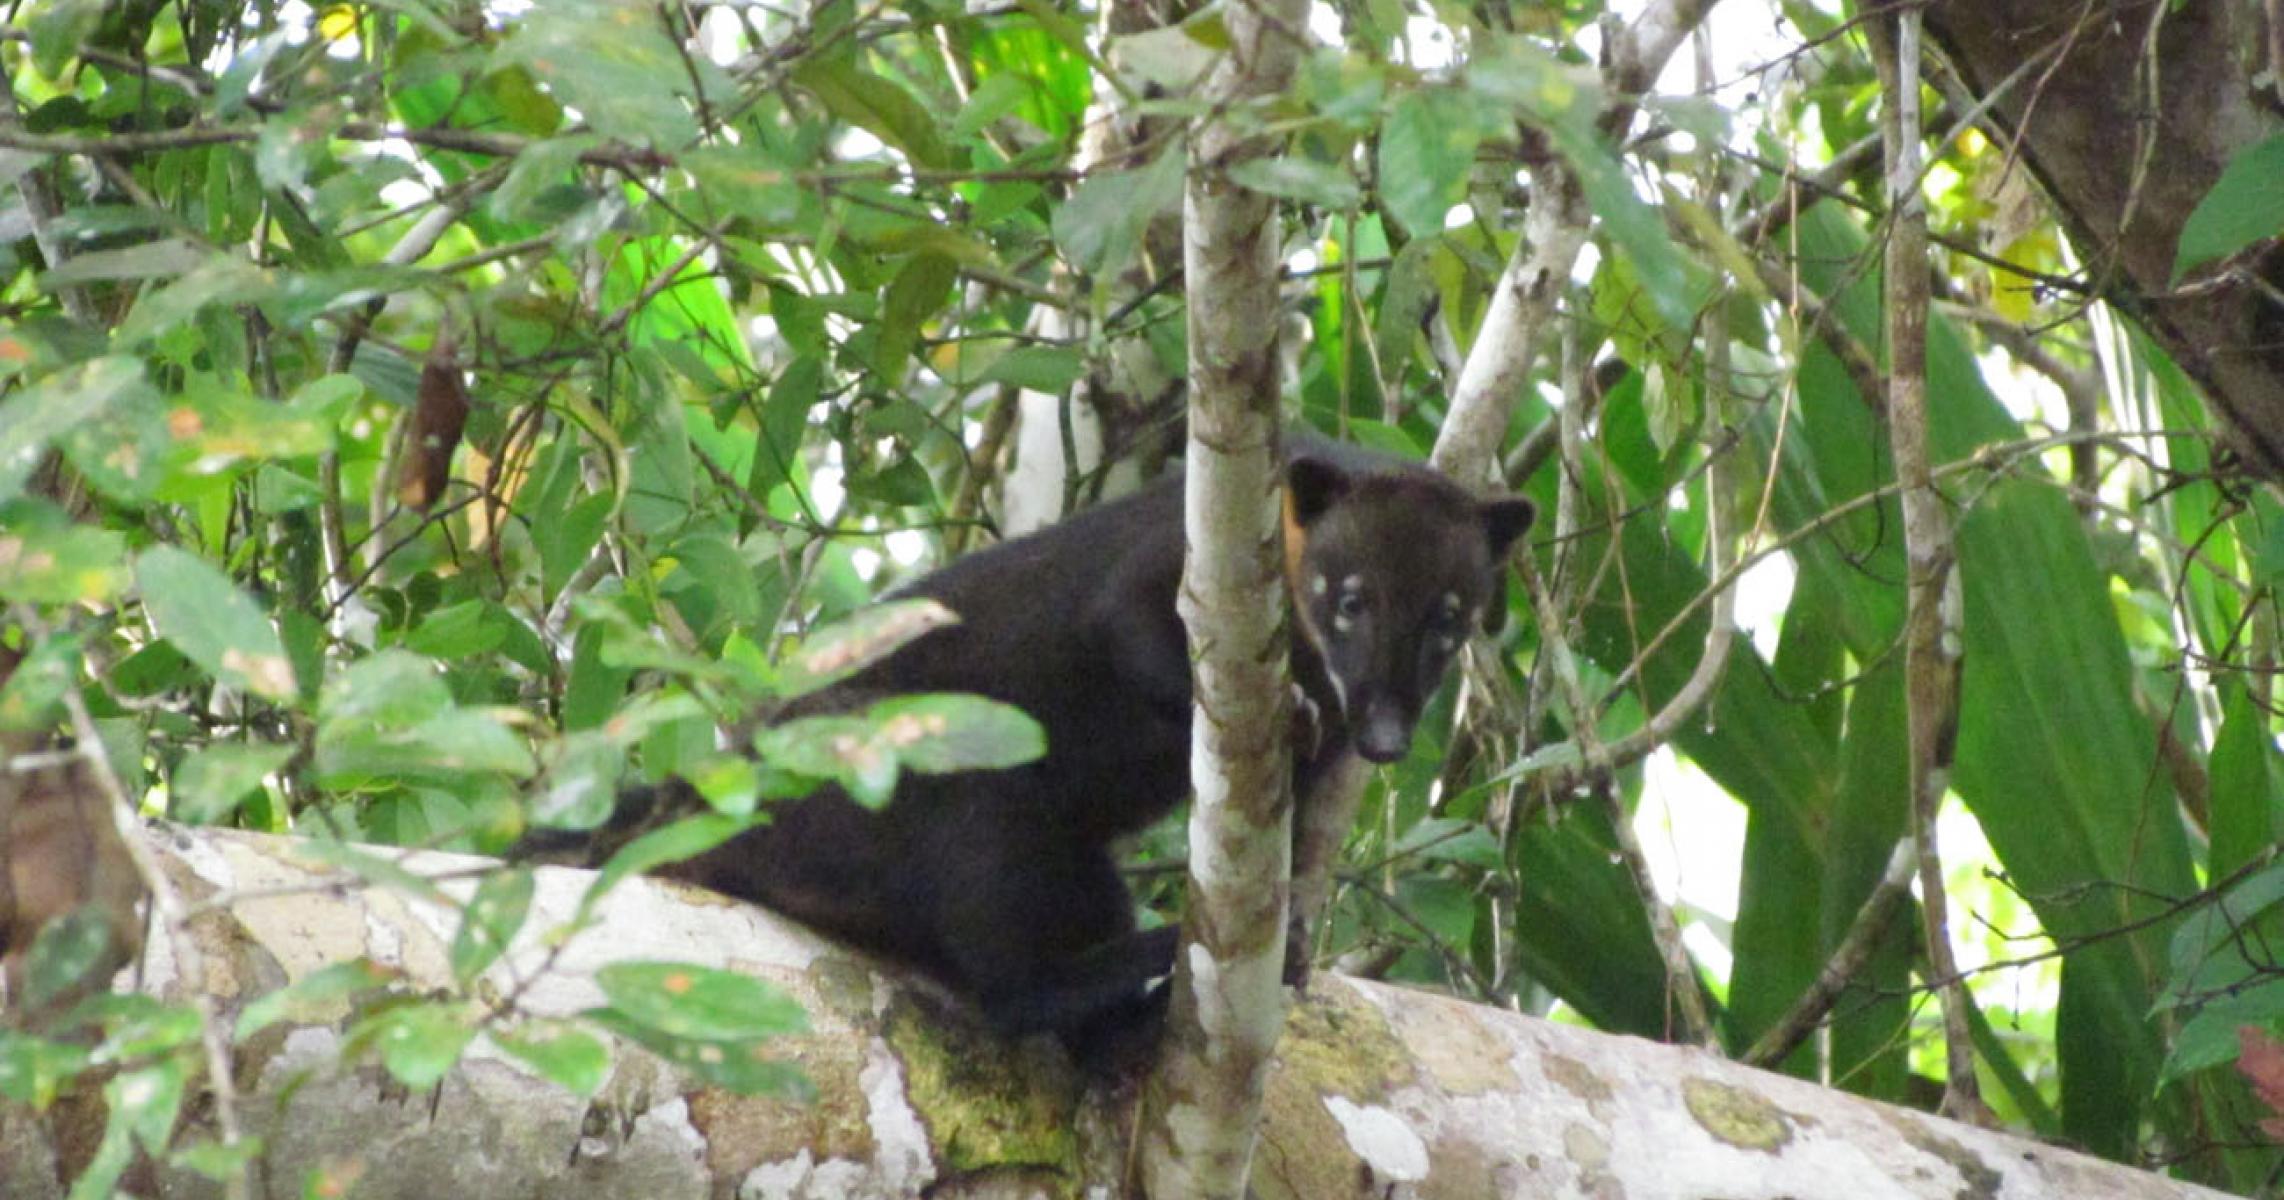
[{"x": 1308, "y": 724}]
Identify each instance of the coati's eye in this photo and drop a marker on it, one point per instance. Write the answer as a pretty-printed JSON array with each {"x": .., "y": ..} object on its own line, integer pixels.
[{"x": 1350, "y": 606}]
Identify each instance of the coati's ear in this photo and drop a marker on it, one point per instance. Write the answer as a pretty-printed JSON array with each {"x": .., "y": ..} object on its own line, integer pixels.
[
  {"x": 1504, "y": 521},
  {"x": 1313, "y": 485}
]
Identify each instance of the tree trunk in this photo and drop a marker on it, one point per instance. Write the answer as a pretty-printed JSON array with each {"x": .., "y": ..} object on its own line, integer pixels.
[
  {"x": 1377, "y": 1090},
  {"x": 2126, "y": 112}
]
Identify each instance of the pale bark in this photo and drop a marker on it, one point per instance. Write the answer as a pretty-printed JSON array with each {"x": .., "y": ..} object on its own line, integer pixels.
[
  {"x": 1932, "y": 635},
  {"x": 1378, "y": 1090},
  {"x": 1204, "y": 1099},
  {"x": 1499, "y": 363}
]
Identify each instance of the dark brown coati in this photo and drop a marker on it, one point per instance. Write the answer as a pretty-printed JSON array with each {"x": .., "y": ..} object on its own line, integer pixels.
[{"x": 1001, "y": 883}]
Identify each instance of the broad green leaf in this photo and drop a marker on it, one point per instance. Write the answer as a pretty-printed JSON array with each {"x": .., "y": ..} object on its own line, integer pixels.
[
  {"x": 419, "y": 1043},
  {"x": 147, "y": 1100},
  {"x": 850, "y": 645},
  {"x": 1099, "y": 229},
  {"x": 212, "y": 782},
  {"x": 914, "y": 297},
  {"x": 392, "y": 688},
  {"x": 222, "y": 279},
  {"x": 939, "y": 734},
  {"x": 459, "y": 632},
  {"x": 34, "y": 1070},
  {"x": 582, "y": 782},
  {"x": 569, "y": 1057},
  {"x": 687, "y": 1001},
  {"x": 195, "y": 606},
  {"x": 163, "y": 258},
  {"x": 1427, "y": 148},
  {"x": 66, "y": 952},
  {"x": 747, "y": 1068},
  {"x": 461, "y": 742},
  {"x": 45, "y": 559},
  {"x": 841, "y": 748},
  {"x": 489, "y": 923},
  {"x": 876, "y": 104},
  {"x": 220, "y": 1161},
  {"x": 57, "y": 30},
  {"x": 321, "y": 995},
  {"x": 138, "y": 1027},
  {"x": 748, "y": 182},
  {"x": 1300, "y": 179},
  {"x": 31, "y": 697},
  {"x": 2245, "y": 205},
  {"x": 2247, "y": 812},
  {"x": 52, "y": 406},
  {"x": 683, "y": 839},
  {"x": 613, "y": 63},
  {"x": 1039, "y": 368},
  {"x": 543, "y": 171}
]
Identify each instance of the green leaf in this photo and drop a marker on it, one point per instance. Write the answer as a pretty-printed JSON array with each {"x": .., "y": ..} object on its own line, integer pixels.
[
  {"x": 742, "y": 1067},
  {"x": 2247, "y": 816},
  {"x": 53, "y": 406},
  {"x": 683, "y": 839},
  {"x": 419, "y": 1043},
  {"x": 146, "y": 1100},
  {"x": 687, "y": 1001},
  {"x": 195, "y": 606},
  {"x": 748, "y": 182},
  {"x": 45, "y": 559},
  {"x": 1100, "y": 227},
  {"x": 570, "y": 1058},
  {"x": 2245, "y": 205},
  {"x": 220, "y": 280},
  {"x": 582, "y": 782},
  {"x": 139, "y": 1027},
  {"x": 68, "y": 949},
  {"x": 541, "y": 172},
  {"x": 876, "y": 104},
  {"x": 214, "y": 780},
  {"x": 57, "y": 30},
  {"x": 220, "y": 1161},
  {"x": 939, "y": 734},
  {"x": 164, "y": 258},
  {"x": 613, "y": 63},
  {"x": 459, "y": 632},
  {"x": 391, "y": 688},
  {"x": 839, "y": 748},
  {"x": 1039, "y": 368},
  {"x": 1427, "y": 148},
  {"x": 1304, "y": 180},
  {"x": 916, "y": 294},
  {"x": 318, "y": 996},
  {"x": 34, "y": 1070},
  {"x": 850, "y": 645},
  {"x": 458, "y": 743},
  {"x": 31, "y": 697},
  {"x": 489, "y": 923}
]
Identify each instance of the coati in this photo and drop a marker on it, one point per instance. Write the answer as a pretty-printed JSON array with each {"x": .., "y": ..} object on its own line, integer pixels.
[{"x": 1001, "y": 883}]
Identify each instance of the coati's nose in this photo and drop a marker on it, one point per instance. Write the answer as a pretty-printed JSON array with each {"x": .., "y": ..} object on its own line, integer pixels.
[{"x": 1384, "y": 734}]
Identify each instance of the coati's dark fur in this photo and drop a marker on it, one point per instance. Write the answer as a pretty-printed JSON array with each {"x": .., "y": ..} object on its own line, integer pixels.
[{"x": 1001, "y": 883}]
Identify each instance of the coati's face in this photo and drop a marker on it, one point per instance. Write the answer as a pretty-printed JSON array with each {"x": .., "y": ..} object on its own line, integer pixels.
[{"x": 1390, "y": 571}]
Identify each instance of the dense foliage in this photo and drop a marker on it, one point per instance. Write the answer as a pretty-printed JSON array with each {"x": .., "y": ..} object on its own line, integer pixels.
[{"x": 418, "y": 421}]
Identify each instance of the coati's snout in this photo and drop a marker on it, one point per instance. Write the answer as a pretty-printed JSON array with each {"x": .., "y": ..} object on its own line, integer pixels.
[
  {"x": 1383, "y": 732},
  {"x": 1390, "y": 570}
]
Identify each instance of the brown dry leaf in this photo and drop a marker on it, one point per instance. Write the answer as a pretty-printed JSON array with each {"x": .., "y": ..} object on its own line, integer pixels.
[{"x": 439, "y": 417}]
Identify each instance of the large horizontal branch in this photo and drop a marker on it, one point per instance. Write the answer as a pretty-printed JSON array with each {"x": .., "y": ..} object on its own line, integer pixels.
[{"x": 1377, "y": 1090}]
